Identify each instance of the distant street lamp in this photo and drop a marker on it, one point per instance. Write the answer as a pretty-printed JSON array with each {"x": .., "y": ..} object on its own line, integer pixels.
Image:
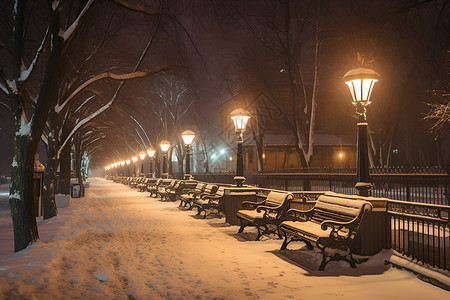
[
  {"x": 360, "y": 82},
  {"x": 134, "y": 159},
  {"x": 188, "y": 137},
  {"x": 240, "y": 118},
  {"x": 142, "y": 157},
  {"x": 122, "y": 163},
  {"x": 151, "y": 154},
  {"x": 128, "y": 166},
  {"x": 165, "y": 145}
]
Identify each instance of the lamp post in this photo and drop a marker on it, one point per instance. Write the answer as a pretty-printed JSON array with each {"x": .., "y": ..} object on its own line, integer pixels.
[
  {"x": 360, "y": 82},
  {"x": 128, "y": 166},
  {"x": 142, "y": 157},
  {"x": 134, "y": 159},
  {"x": 165, "y": 145},
  {"x": 151, "y": 154},
  {"x": 188, "y": 137},
  {"x": 122, "y": 163},
  {"x": 240, "y": 118},
  {"x": 115, "y": 166}
]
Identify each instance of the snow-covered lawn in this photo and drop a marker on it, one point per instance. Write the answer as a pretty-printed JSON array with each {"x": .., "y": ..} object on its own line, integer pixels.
[{"x": 118, "y": 243}]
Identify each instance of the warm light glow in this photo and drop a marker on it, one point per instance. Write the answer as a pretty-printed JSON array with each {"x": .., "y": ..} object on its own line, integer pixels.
[
  {"x": 106, "y": 168},
  {"x": 142, "y": 155},
  {"x": 188, "y": 137},
  {"x": 122, "y": 163},
  {"x": 128, "y": 161},
  {"x": 240, "y": 118},
  {"x": 360, "y": 82},
  {"x": 264, "y": 155},
  {"x": 231, "y": 158},
  {"x": 115, "y": 165},
  {"x": 112, "y": 166},
  {"x": 134, "y": 159},
  {"x": 151, "y": 152},
  {"x": 165, "y": 145},
  {"x": 341, "y": 155}
]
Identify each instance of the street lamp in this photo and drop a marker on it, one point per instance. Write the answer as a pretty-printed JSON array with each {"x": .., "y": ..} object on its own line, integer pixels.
[
  {"x": 188, "y": 137},
  {"x": 165, "y": 145},
  {"x": 142, "y": 157},
  {"x": 128, "y": 166},
  {"x": 360, "y": 81},
  {"x": 240, "y": 118},
  {"x": 134, "y": 159},
  {"x": 151, "y": 154},
  {"x": 122, "y": 163}
]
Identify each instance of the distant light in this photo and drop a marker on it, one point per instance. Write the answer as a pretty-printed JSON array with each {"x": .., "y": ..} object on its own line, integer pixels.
[
  {"x": 222, "y": 151},
  {"x": 165, "y": 145},
  {"x": 282, "y": 70},
  {"x": 240, "y": 118},
  {"x": 341, "y": 155},
  {"x": 122, "y": 163},
  {"x": 395, "y": 151},
  {"x": 231, "y": 158},
  {"x": 151, "y": 152},
  {"x": 213, "y": 156},
  {"x": 134, "y": 159},
  {"x": 142, "y": 155},
  {"x": 188, "y": 137},
  {"x": 128, "y": 161}
]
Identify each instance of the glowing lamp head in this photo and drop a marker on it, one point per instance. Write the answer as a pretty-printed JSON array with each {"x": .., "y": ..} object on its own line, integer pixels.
[
  {"x": 360, "y": 81},
  {"x": 112, "y": 166},
  {"x": 188, "y": 137},
  {"x": 142, "y": 155},
  {"x": 134, "y": 159},
  {"x": 240, "y": 118},
  {"x": 128, "y": 161},
  {"x": 151, "y": 152},
  {"x": 341, "y": 155},
  {"x": 115, "y": 165},
  {"x": 122, "y": 163},
  {"x": 165, "y": 145}
]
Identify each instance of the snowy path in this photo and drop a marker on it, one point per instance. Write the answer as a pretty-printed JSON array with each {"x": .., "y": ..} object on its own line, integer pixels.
[{"x": 117, "y": 243}]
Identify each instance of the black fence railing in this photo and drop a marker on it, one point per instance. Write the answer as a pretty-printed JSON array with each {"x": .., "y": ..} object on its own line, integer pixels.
[
  {"x": 421, "y": 188},
  {"x": 420, "y": 231}
]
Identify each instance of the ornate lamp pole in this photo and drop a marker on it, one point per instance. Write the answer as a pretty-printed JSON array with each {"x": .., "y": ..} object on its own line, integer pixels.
[
  {"x": 142, "y": 157},
  {"x": 128, "y": 166},
  {"x": 134, "y": 159},
  {"x": 122, "y": 163},
  {"x": 165, "y": 145},
  {"x": 151, "y": 154},
  {"x": 360, "y": 82},
  {"x": 188, "y": 137},
  {"x": 240, "y": 118}
]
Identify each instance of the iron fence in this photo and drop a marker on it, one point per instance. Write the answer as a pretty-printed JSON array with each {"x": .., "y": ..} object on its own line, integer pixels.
[
  {"x": 420, "y": 231},
  {"x": 421, "y": 188}
]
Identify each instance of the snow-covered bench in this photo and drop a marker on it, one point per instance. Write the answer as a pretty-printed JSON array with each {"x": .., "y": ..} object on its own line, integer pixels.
[
  {"x": 210, "y": 202},
  {"x": 331, "y": 224},
  {"x": 266, "y": 215}
]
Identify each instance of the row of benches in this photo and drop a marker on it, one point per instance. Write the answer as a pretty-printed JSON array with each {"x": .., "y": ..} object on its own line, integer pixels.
[{"x": 332, "y": 224}]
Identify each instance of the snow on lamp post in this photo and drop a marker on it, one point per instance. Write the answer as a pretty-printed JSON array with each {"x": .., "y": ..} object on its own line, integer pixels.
[
  {"x": 165, "y": 145},
  {"x": 188, "y": 137},
  {"x": 128, "y": 166},
  {"x": 360, "y": 81},
  {"x": 240, "y": 118},
  {"x": 134, "y": 159},
  {"x": 151, "y": 154},
  {"x": 142, "y": 157}
]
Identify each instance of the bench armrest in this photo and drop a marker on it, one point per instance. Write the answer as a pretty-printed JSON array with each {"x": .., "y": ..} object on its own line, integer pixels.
[
  {"x": 342, "y": 230},
  {"x": 270, "y": 212},
  {"x": 251, "y": 204},
  {"x": 300, "y": 215}
]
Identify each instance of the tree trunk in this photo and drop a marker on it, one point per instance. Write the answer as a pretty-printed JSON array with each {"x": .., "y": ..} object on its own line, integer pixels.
[
  {"x": 64, "y": 173},
  {"x": 48, "y": 193},
  {"x": 21, "y": 198}
]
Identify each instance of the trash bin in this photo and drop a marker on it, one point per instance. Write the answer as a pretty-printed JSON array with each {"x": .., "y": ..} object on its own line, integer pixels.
[
  {"x": 38, "y": 176},
  {"x": 75, "y": 190}
]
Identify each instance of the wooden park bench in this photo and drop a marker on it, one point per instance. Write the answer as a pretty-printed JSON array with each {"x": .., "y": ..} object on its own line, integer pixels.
[
  {"x": 152, "y": 188},
  {"x": 164, "y": 191},
  {"x": 331, "y": 224},
  {"x": 161, "y": 188},
  {"x": 175, "y": 193},
  {"x": 266, "y": 215},
  {"x": 210, "y": 203},
  {"x": 190, "y": 193}
]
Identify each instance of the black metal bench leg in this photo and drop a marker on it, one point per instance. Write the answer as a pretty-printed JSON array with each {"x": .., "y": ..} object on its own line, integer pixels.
[
  {"x": 285, "y": 242},
  {"x": 242, "y": 226}
]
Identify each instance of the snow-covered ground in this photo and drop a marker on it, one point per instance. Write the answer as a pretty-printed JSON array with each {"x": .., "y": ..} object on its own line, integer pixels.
[{"x": 117, "y": 243}]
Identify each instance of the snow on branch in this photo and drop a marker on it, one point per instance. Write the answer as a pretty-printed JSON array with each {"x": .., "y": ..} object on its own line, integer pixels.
[
  {"x": 25, "y": 73},
  {"x": 132, "y": 75},
  {"x": 66, "y": 34}
]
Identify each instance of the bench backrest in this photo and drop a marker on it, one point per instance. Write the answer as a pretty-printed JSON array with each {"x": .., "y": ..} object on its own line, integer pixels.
[
  {"x": 275, "y": 198},
  {"x": 210, "y": 189},
  {"x": 199, "y": 188},
  {"x": 337, "y": 208}
]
